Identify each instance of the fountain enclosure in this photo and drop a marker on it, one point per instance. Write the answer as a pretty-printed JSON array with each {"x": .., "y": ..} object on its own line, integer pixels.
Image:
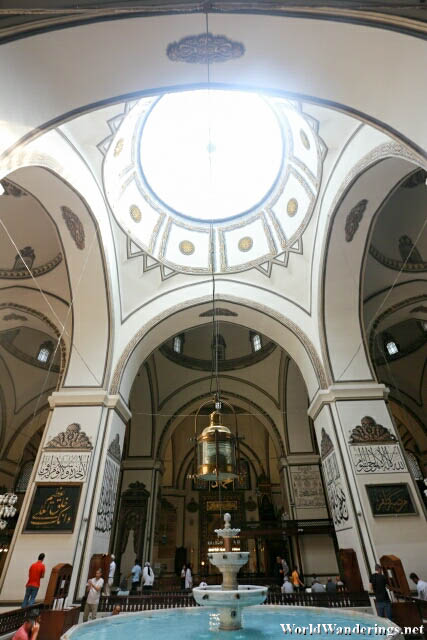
[{"x": 229, "y": 598}]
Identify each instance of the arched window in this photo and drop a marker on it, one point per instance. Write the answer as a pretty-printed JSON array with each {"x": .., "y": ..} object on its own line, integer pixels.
[
  {"x": 256, "y": 341},
  {"x": 45, "y": 352},
  {"x": 391, "y": 347},
  {"x": 178, "y": 343},
  {"x": 24, "y": 477}
]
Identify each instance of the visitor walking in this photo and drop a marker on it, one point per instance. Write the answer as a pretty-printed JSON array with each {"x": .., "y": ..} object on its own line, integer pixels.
[
  {"x": 30, "y": 629},
  {"x": 189, "y": 578},
  {"x": 35, "y": 574},
  {"x": 135, "y": 573},
  {"x": 111, "y": 572},
  {"x": 147, "y": 577},
  {"x": 295, "y": 579},
  {"x": 287, "y": 586},
  {"x": 183, "y": 570},
  {"x": 94, "y": 586},
  {"x": 421, "y": 586},
  {"x": 379, "y": 587}
]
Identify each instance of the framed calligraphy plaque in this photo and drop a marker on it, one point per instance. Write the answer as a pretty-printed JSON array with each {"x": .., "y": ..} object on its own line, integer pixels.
[
  {"x": 391, "y": 500},
  {"x": 63, "y": 467},
  {"x": 377, "y": 458},
  {"x": 53, "y": 509}
]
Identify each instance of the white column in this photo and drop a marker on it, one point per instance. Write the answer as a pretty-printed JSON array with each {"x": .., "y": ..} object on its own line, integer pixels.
[
  {"x": 362, "y": 458},
  {"x": 63, "y": 514}
]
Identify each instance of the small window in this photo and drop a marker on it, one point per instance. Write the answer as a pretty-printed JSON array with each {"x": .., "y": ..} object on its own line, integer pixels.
[
  {"x": 392, "y": 348},
  {"x": 178, "y": 344},
  {"x": 45, "y": 352},
  {"x": 256, "y": 342}
]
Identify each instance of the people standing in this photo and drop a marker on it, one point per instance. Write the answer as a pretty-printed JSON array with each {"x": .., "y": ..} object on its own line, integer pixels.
[
  {"x": 378, "y": 586},
  {"x": 183, "y": 571},
  {"x": 331, "y": 586},
  {"x": 285, "y": 568},
  {"x": 279, "y": 570},
  {"x": 295, "y": 579},
  {"x": 317, "y": 587},
  {"x": 94, "y": 586},
  {"x": 135, "y": 573},
  {"x": 30, "y": 629},
  {"x": 188, "y": 578},
  {"x": 35, "y": 574},
  {"x": 421, "y": 586},
  {"x": 147, "y": 577},
  {"x": 111, "y": 572}
]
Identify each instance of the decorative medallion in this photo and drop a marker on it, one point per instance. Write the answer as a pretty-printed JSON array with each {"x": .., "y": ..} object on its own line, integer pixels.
[
  {"x": 72, "y": 438},
  {"x": 118, "y": 147},
  {"x": 292, "y": 207},
  {"x": 370, "y": 431},
  {"x": 186, "y": 247},
  {"x": 114, "y": 449},
  {"x": 74, "y": 226},
  {"x": 353, "y": 219},
  {"x": 204, "y": 48},
  {"x": 326, "y": 445},
  {"x": 245, "y": 244},
  {"x": 135, "y": 213},
  {"x": 304, "y": 139}
]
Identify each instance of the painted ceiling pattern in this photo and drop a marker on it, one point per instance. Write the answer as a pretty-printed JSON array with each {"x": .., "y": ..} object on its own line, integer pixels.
[{"x": 181, "y": 242}]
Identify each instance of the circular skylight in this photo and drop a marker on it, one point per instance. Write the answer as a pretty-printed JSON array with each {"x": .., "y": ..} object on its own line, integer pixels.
[{"x": 211, "y": 155}]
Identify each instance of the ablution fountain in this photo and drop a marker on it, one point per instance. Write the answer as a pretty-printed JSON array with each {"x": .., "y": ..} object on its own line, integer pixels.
[{"x": 229, "y": 598}]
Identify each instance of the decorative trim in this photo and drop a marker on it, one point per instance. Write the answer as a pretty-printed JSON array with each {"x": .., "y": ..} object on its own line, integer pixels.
[
  {"x": 283, "y": 320},
  {"x": 326, "y": 445},
  {"x": 397, "y": 265},
  {"x": 74, "y": 226},
  {"x": 11, "y": 189},
  {"x": 421, "y": 309},
  {"x": 72, "y": 438},
  {"x": 114, "y": 449},
  {"x": 22, "y": 274},
  {"x": 15, "y": 316},
  {"x": 370, "y": 431},
  {"x": 354, "y": 218},
  {"x": 204, "y": 48},
  {"x": 221, "y": 312}
]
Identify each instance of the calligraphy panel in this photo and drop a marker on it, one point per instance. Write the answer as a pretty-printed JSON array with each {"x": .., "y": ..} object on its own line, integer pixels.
[
  {"x": 307, "y": 484},
  {"x": 336, "y": 494},
  {"x": 54, "y": 508},
  {"x": 107, "y": 500},
  {"x": 377, "y": 458},
  {"x": 390, "y": 500},
  {"x": 66, "y": 467}
]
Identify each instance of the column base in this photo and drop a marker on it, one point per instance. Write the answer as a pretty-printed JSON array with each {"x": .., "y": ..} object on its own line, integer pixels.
[{"x": 230, "y": 618}]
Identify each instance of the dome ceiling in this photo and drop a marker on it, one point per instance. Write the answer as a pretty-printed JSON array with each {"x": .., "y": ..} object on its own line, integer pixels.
[{"x": 213, "y": 180}]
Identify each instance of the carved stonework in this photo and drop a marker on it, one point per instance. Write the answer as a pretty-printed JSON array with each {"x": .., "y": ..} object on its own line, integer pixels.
[
  {"x": 204, "y": 48},
  {"x": 74, "y": 226},
  {"x": 408, "y": 251},
  {"x": 353, "y": 219},
  {"x": 20, "y": 272},
  {"x": 72, "y": 438},
  {"x": 14, "y": 316},
  {"x": 11, "y": 189},
  {"x": 370, "y": 431},
  {"x": 326, "y": 445},
  {"x": 114, "y": 449},
  {"x": 24, "y": 259}
]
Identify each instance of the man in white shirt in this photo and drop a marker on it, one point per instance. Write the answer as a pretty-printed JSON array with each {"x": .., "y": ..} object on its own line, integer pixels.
[
  {"x": 148, "y": 577},
  {"x": 94, "y": 585},
  {"x": 111, "y": 572},
  {"x": 421, "y": 586},
  {"x": 136, "y": 572}
]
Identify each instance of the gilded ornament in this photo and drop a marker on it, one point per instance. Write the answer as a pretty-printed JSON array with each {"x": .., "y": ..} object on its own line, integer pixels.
[
  {"x": 135, "y": 213},
  {"x": 245, "y": 244},
  {"x": 186, "y": 247},
  {"x": 292, "y": 207},
  {"x": 119, "y": 147},
  {"x": 304, "y": 139}
]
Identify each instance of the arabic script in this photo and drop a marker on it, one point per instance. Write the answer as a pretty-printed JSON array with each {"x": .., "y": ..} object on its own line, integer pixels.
[{"x": 64, "y": 466}]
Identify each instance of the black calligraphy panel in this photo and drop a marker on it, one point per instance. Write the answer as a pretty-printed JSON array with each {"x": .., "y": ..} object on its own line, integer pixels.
[
  {"x": 336, "y": 495},
  {"x": 390, "y": 500},
  {"x": 54, "y": 508}
]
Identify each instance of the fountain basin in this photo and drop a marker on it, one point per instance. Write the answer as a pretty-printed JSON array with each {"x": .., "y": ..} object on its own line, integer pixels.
[{"x": 230, "y": 602}]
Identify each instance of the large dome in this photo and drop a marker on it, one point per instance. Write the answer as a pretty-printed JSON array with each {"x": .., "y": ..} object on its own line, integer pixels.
[{"x": 213, "y": 180}]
